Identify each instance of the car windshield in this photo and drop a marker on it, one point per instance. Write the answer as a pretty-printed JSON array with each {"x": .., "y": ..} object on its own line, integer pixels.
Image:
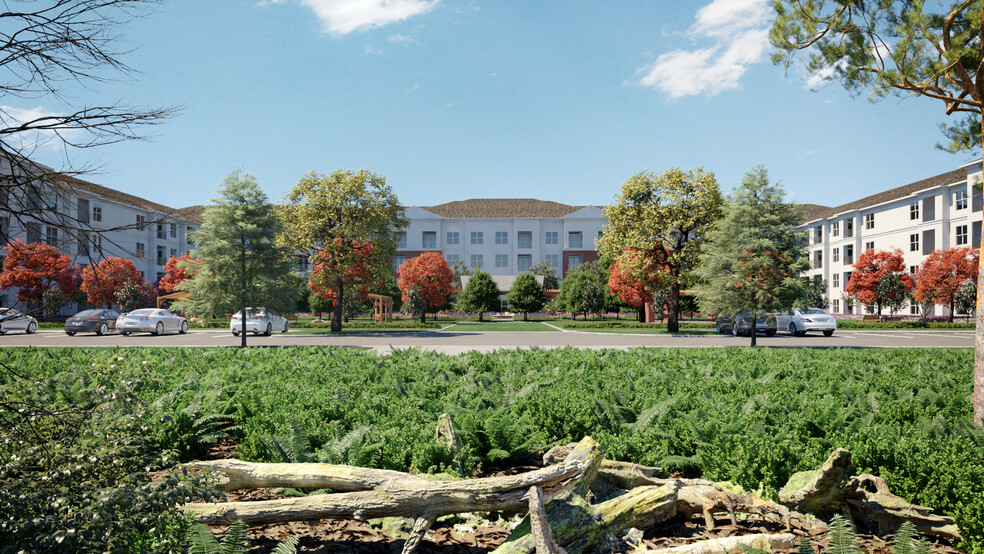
[
  {"x": 145, "y": 311},
  {"x": 814, "y": 311},
  {"x": 90, "y": 313}
]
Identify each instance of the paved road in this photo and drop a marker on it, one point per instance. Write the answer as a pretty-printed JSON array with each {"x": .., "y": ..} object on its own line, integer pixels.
[{"x": 452, "y": 342}]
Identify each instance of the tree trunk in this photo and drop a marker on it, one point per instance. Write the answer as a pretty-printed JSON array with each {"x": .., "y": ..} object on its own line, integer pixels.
[
  {"x": 336, "y": 314},
  {"x": 423, "y": 317},
  {"x": 642, "y": 313},
  {"x": 949, "y": 318},
  {"x": 754, "y": 332},
  {"x": 673, "y": 309},
  {"x": 979, "y": 350}
]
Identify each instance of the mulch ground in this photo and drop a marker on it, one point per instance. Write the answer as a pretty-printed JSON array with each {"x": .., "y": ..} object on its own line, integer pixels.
[{"x": 351, "y": 536}]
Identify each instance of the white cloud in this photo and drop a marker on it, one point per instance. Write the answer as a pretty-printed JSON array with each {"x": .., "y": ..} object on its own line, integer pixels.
[
  {"x": 11, "y": 116},
  {"x": 738, "y": 30},
  {"x": 340, "y": 17},
  {"x": 400, "y": 38}
]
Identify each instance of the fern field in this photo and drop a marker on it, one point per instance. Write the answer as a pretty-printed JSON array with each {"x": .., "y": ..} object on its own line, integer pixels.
[{"x": 752, "y": 417}]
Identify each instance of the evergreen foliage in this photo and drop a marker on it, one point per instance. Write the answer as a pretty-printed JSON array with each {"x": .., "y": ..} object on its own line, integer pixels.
[
  {"x": 753, "y": 254},
  {"x": 238, "y": 266},
  {"x": 200, "y": 540},
  {"x": 549, "y": 274},
  {"x": 480, "y": 295},
  {"x": 526, "y": 295},
  {"x": 584, "y": 290}
]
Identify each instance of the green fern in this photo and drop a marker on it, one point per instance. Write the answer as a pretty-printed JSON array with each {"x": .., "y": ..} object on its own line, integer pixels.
[
  {"x": 286, "y": 546},
  {"x": 236, "y": 540},
  {"x": 200, "y": 540},
  {"x": 803, "y": 546},
  {"x": 840, "y": 535},
  {"x": 293, "y": 449}
]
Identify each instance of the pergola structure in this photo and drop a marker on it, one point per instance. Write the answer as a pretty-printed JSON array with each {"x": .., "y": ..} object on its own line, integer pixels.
[{"x": 382, "y": 307}]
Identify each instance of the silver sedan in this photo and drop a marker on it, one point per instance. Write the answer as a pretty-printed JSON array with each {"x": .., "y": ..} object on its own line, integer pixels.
[
  {"x": 12, "y": 320},
  {"x": 800, "y": 320},
  {"x": 151, "y": 320},
  {"x": 259, "y": 320}
]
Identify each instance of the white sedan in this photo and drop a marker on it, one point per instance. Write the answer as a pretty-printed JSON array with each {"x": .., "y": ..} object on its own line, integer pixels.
[
  {"x": 151, "y": 320},
  {"x": 259, "y": 320},
  {"x": 12, "y": 320},
  {"x": 800, "y": 320}
]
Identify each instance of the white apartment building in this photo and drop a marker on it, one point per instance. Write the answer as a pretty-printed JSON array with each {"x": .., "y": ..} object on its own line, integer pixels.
[
  {"x": 504, "y": 236},
  {"x": 937, "y": 213},
  {"x": 90, "y": 223}
]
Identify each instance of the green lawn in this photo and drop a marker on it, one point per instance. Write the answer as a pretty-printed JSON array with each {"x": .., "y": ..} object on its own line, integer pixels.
[{"x": 486, "y": 326}]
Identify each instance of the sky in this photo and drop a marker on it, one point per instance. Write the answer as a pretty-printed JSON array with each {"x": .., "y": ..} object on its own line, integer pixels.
[{"x": 457, "y": 99}]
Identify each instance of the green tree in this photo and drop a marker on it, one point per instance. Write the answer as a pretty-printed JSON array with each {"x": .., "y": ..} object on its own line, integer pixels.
[
  {"x": 526, "y": 295},
  {"x": 338, "y": 212},
  {"x": 667, "y": 218},
  {"x": 902, "y": 49},
  {"x": 893, "y": 292},
  {"x": 753, "y": 253},
  {"x": 318, "y": 305},
  {"x": 239, "y": 265},
  {"x": 966, "y": 299},
  {"x": 584, "y": 290},
  {"x": 549, "y": 274},
  {"x": 815, "y": 294},
  {"x": 480, "y": 295}
]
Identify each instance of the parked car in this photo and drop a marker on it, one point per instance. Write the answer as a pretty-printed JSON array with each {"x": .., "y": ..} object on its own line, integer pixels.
[
  {"x": 259, "y": 320},
  {"x": 800, "y": 320},
  {"x": 741, "y": 323},
  {"x": 150, "y": 320},
  {"x": 98, "y": 321},
  {"x": 12, "y": 320}
]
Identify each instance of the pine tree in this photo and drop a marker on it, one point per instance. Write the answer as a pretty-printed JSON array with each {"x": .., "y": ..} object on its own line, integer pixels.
[
  {"x": 526, "y": 295},
  {"x": 753, "y": 253},
  {"x": 239, "y": 266}
]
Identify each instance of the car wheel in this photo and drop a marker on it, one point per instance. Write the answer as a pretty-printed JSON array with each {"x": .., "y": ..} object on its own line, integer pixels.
[
  {"x": 159, "y": 330},
  {"x": 184, "y": 328},
  {"x": 269, "y": 329},
  {"x": 770, "y": 333},
  {"x": 70, "y": 333},
  {"x": 32, "y": 327},
  {"x": 734, "y": 331},
  {"x": 286, "y": 326},
  {"x": 828, "y": 333},
  {"x": 235, "y": 333},
  {"x": 125, "y": 333},
  {"x": 102, "y": 329},
  {"x": 792, "y": 330}
]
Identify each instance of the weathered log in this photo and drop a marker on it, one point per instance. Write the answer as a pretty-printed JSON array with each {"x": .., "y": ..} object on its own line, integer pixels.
[
  {"x": 445, "y": 430},
  {"x": 237, "y": 474},
  {"x": 761, "y": 541},
  {"x": 540, "y": 526},
  {"x": 399, "y": 498},
  {"x": 884, "y": 512},
  {"x": 822, "y": 491},
  {"x": 708, "y": 500}
]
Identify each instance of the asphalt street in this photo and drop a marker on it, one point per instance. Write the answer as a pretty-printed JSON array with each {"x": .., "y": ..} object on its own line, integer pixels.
[{"x": 452, "y": 342}]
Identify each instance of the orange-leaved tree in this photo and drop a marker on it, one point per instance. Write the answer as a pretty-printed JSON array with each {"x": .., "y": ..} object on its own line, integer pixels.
[
  {"x": 349, "y": 262},
  {"x": 175, "y": 271},
  {"x": 430, "y": 274},
  {"x": 868, "y": 271},
  {"x": 636, "y": 275},
  {"x": 101, "y": 282},
  {"x": 943, "y": 273},
  {"x": 35, "y": 268}
]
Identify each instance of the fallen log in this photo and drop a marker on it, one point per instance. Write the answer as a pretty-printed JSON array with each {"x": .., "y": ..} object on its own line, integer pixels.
[
  {"x": 760, "y": 541},
  {"x": 236, "y": 474},
  {"x": 884, "y": 512}
]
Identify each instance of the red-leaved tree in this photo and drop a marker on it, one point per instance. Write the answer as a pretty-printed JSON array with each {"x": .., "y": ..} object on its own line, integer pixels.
[
  {"x": 868, "y": 271},
  {"x": 943, "y": 273},
  {"x": 430, "y": 275},
  {"x": 100, "y": 283},
  {"x": 34, "y": 268},
  {"x": 175, "y": 272},
  {"x": 350, "y": 262},
  {"x": 636, "y": 275}
]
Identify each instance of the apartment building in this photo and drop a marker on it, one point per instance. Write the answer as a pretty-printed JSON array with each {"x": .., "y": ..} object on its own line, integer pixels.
[
  {"x": 504, "y": 236},
  {"x": 90, "y": 222},
  {"x": 941, "y": 212}
]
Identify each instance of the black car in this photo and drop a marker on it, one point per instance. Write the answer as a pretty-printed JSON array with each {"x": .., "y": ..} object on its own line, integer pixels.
[
  {"x": 741, "y": 323},
  {"x": 96, "y": 321}
]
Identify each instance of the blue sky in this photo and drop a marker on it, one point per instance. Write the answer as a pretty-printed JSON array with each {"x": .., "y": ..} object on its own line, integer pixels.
[{"x": 456, "y": 99}]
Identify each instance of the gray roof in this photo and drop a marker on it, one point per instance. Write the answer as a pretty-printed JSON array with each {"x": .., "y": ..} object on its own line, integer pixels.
[
  {"x": 191, "y": 213},
  {"x": 813, "y": 212},
  {"x": 501, "y": 208}
]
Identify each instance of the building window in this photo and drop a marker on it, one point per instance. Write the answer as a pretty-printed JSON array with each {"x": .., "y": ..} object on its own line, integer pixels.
[
  {"x": 84, "y": 242},
  {"x": 961, "y": 235},
  {"x": 161, "y": 231},
  {"x": 574, "y": 239},
  {"x": 97, "y": 243},
  {"x": 174, "y": 253},
  {"x": 552, "y": 237},
  {"x": 835, "y": 229},
  {"x": 451, "y": 258},
  {"x": 174, "y": 230},
  {"x": 869, "y": 221},
  {"x": 453, "y": 238},
  {"x": 524, "y": 239},
  {"x": 914, "y": 309},
  {"x": 160, "y": 255},
  {"x": 960, "y": 199},
  {"x": 430, "y": 239},
  {"x": 817, "y": 259},
  {"x": 870, "y": 245},
  {"x": 913, "y": 269},
  {"x": 573, "y": 261},
  {"x": 141, "y": 222},
  {"x": 97, "y": 212},
  {"x": 523, "y": 263},
  {"x": 914, "y": 211},
  {"x": 837, "y": 306},
  {"x": 553, "y": 260},
  {"x": 51, "y": 236},
  {"x": 501, "y": 237},
  {"x": 848, "y": 228},
  {"x": 817, "y": 234},
  {"x": 160, "y": 275},
  {"x": 836, "y": 280},
  {"x": 397, "y": 262},
  {"x": 477, "y": 261},
  {"x": 401, "y": 240},
  {"x": 914, "y": 242},
  {"x": 849, "y": 255},
  {"x": 837, "y": 254},
  {"x": 502, "y": 260},
  {"x": 477, "y": 238},
  {"x": 141, "y": 250}
]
